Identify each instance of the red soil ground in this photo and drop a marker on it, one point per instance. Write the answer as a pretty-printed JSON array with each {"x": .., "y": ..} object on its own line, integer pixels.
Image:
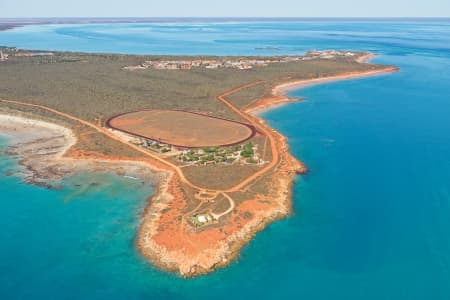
[{"x": 182, "y": 128}]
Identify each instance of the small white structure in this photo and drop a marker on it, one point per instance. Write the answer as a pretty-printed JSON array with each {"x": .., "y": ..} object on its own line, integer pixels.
[{"x": 202, "y": 219}]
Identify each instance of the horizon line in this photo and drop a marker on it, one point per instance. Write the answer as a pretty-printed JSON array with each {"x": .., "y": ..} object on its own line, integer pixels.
[{"x": 212, "y": 18}]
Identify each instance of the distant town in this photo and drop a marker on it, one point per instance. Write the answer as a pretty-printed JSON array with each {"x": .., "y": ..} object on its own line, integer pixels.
[
  {"x": 238, "y": 63},
  {"x": 6, "y": 52}
]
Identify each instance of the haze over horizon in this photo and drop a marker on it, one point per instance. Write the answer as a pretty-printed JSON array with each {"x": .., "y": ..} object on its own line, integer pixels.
[{"x": 231, "y": 8}]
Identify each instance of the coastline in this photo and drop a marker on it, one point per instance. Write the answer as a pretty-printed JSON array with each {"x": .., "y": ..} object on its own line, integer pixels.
[
  {"x": 190, "y": 263},
  {"x": 284, "y": 88},
  {"x": 29, "y": 140},
  {"x": 171, "y": 250},
  {"x": 279, "y": 92},
  {"x": 219, "y": 249},
  {"x": 43, "y": 150}
]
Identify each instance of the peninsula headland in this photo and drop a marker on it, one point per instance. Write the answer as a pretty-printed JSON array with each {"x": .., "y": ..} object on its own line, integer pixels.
[{"x": 146, "y": 116}]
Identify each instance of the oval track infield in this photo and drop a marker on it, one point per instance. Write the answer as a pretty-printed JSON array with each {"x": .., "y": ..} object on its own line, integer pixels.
[{"x": 182, "y": 128}]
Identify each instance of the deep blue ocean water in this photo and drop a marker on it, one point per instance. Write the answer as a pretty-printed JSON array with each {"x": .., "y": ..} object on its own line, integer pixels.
[{"x": 371, "y": 220}]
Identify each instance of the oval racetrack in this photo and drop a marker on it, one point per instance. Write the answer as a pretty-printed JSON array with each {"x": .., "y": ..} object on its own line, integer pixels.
[{"x": 182, "y": 128}]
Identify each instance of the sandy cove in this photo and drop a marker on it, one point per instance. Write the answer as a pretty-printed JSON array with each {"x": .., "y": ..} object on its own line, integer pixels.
[
  {"x": 284, "y": 88},
  {"x": 280, "y": 91},
  {"x": 44, "y": 149},
  {"x": 164, "y": 236}
]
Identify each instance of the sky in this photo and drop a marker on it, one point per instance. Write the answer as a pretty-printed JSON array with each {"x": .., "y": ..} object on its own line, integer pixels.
[{"x": 224, "y": 8}]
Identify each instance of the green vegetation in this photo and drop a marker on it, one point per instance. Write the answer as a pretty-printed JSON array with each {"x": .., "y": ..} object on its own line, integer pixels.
[
  {"x": 95, "y": 87},
  {"x": 210, "y": 149},
  {"x": 247, "y": 150},
  {"x": 190, "y": 156},
  {"x": 217, "y": 155},
  {"x": 91, "y": 85}
]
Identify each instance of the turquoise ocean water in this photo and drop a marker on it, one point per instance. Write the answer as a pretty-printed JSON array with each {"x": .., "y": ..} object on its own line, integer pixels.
[{"x": 371, "y": 220}]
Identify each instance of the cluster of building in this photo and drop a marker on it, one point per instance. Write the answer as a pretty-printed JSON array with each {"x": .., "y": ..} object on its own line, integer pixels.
[
  {"x": 3, "y": 56},
  {"x": 152, "y": 145},
  {"x": 33, "y": 54},
  {"x": 6, "y": 52},
  {"x": 201, "y": 220},
  {"x": 238, "y": 63},
  {"x": 244, "y": 154},
  {"x": 327, "y": 54}
]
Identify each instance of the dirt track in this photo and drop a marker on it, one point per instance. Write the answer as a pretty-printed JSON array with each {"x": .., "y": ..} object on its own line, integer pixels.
[
  {"x": 182, "y": 129},
  {"x": 253, "y": 121},
  {"x": 164, "y": 237},
  {"x": 109, "y": 134},
  {"x": 257, "y": 123}
]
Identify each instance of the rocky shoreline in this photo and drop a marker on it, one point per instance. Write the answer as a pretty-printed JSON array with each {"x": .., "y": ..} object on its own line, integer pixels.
[
  {"x": 164, "y": 237},
  {"x": 41, "y": 148},
  {"x": 190, "y": 263},
  {"x": 221, "y": 249}
]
